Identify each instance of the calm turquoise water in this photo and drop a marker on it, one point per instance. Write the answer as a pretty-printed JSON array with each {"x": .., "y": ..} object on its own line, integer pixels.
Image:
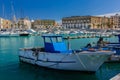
[{"x": 12, "y": 69}]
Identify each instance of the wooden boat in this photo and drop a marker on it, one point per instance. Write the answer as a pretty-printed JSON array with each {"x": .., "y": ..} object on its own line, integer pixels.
[{"x": 55, "y": 55}]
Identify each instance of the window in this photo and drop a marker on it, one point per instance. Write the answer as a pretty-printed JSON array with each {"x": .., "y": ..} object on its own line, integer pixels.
[
  {"x": 59, "y": 39},
  {"x": 56, "y": 39},
  {"x": 47, "y": 39}
]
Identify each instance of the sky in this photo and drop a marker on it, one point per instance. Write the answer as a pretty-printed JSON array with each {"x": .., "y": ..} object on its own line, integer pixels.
[{"x": 56, "y": 9}]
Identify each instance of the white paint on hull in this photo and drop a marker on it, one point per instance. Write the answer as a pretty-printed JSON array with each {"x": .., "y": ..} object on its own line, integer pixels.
[{"x": 82, "y": 61}]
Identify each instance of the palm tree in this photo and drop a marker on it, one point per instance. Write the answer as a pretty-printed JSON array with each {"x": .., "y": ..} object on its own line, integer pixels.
[
  {"x": 108, "y": 25},
  {"x": 112, "y": 25},
  {"x": 18, "y": 25},
  {"x": 98, "y": 26},
  {"x": 93, "y": 25}
]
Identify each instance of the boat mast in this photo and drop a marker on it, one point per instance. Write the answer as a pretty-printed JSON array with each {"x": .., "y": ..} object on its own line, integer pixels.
[
  {"x": 13, "y": 15},
  {"x": 3, "y": 8}
]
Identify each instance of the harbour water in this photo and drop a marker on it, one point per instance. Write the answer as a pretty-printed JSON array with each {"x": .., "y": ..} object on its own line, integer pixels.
[{"x": 12, "y": 69}]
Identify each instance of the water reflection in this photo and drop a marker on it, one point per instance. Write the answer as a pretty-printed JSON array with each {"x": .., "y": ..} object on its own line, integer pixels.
[
  {"x": 106, "y": 72},
  {"x": 39, "y": 73}
]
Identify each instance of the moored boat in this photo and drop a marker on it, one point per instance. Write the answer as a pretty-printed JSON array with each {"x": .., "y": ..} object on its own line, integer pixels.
[
  {"x": 14, "y": 34},
  {"x": 55, "y": 55},
  {"x": 4, "y": 34},
  {"x": 116, "y": 47},
  {"x": 24, "y": 33}
]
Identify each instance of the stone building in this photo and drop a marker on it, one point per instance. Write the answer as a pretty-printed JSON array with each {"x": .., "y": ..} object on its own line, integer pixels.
[
  {"x": 116, "y": 21},
  {"x": 86, "y": 22},
  {"x": 24, "y": 23},
  {"x": 5, "y": 24},
  {"x": 43, "y": 24}
]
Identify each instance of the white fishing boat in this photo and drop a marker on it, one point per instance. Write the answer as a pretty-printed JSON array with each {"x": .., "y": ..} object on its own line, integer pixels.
[
  {"x": 4, "y": 34},
  {"x": 14, "y": 34},
  {"x": 55, "y": 55},
  {"x": 9, "y": 34}
]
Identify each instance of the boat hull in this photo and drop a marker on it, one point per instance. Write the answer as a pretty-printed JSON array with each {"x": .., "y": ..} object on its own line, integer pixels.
[
  {"x": 82, "y": 61},
  {"x": 24, "y": 34},
  {"x": 4, "y": 34},
  {"x": 14, "y": 34}
]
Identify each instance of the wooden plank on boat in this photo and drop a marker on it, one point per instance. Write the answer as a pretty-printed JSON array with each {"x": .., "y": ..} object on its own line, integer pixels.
[{"x": 117, "y": 77}]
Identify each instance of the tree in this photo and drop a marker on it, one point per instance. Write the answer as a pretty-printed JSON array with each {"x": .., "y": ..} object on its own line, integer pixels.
[
  {"x": 93, "y": 25},
  {"x": 98, "y": 26},
  {"x": 108, "y": 25}
]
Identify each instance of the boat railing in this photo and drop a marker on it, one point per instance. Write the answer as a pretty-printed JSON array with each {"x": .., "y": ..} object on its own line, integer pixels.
[{"x": 41, "y": 49}]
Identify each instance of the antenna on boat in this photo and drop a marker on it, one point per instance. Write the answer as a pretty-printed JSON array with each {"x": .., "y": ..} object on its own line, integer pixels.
[
  {"x": 68, "y": 43},
  {"x": 21, "y": 13},
  {"x": 3, "y": 8}
]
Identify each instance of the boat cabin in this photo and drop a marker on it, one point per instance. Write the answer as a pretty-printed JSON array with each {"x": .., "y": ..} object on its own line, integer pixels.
[{"x": 55, "y": 44}]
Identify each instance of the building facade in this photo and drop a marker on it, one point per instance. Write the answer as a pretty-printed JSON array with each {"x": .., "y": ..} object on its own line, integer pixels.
[
  {"x": 1, "y": 23},
  {"x": 116, "y": 21},
  {"x": 5, "y": 24},
  {"x": 24, "y": 23},
  {"x": 85, "y": 22},
  {"x": 38, "y": 24}
]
